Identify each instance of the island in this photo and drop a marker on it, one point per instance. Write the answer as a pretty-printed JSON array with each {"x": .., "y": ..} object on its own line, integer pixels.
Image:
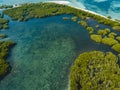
[
  {"x": 39, "y": 10},
  {"x": 93, "y": 70},
  {"x": 5, "y": 47},
  {"x": 42, "y": 10},
  {"x": 4, "y": 23}
]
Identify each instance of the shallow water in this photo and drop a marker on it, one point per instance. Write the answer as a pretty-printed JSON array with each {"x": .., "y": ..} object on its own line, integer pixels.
[{"x": 45, "y": 50}]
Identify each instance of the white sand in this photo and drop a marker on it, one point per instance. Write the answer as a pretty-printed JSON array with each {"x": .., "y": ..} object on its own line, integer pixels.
[
  {"x": 60, "y": 2},
  {"x": 69, "y": 4}
]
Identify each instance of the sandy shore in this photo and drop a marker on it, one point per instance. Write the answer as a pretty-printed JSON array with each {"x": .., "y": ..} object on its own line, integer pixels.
[
  {"x": 68, "y": 3},
  {"x": 61, "y": 2}
]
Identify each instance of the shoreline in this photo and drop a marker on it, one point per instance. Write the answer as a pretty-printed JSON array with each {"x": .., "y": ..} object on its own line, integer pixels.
[
  {"x": 89, "y": 11},
  {"x": 68, "y": 3},
  {"x": 73, "y": 3},
  {"x": 60, "y": 2},
  {"x": 65, "y": 3}
]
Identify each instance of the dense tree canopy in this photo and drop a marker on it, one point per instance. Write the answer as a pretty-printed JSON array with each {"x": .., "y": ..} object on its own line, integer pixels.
[
  {"x": 118, "y": 38},
  {"x": 74, "y": 18},
  {"x": 96, "y": 38},
  {"x": 90, "y": 29},
  {"x": 109, "y": 41},
  {"x": 4, "y": 52},
  {"x": 3, "y": 23},
  {"x": 116, "y": 47},
  {"x": 103, "y": 32},
  {"x": 95, "y": 71}
]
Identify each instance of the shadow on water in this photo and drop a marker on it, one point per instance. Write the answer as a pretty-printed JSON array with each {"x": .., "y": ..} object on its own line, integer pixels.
[{"x": 45, "y": 50}]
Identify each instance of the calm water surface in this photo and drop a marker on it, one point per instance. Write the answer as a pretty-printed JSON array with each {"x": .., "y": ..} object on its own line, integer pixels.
[{"x": 45, "y": 50}]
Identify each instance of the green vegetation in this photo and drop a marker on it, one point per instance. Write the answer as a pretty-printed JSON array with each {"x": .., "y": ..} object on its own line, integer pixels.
[
  {"x": 118, "y": 38},
  {"x": 109, "y": 41},
  {"x": 107, "y": 30},
  {"x": 116, "y": 47},
  {"x": 74, "y": 18},
  {"x": 83, "y": 23},
  {"x": 116, "y": 28},
  {"x": 6, "y": 6},
  {"x": 4, "y": 52},
  {"x": 95, "y": 71},
  {"x": 3, "y": 23},
  {"x": 112, "y": 35},
  {"x": 38, "y": 10},
  {"x": 103, "y": 32},
  {"x": 109, "y": 17},
  {"x": 106, "y": 37},
  {"x": 96, "y": 38},
  {"x": 90, "y": 29},
  {"x": 66, "y": 18},
  {"x": 97, "y": 26},
  {"x": 3, "y": 35},
  {"x": 117, "y": 20},
  {"x": 91, "y": 70}
]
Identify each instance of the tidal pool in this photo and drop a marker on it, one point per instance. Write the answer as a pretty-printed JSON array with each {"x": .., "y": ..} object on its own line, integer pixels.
[{"x": 44, "y": 53}]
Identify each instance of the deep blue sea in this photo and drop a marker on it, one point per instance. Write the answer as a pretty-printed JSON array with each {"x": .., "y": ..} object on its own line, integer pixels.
[{"x": 104, "y": 7}]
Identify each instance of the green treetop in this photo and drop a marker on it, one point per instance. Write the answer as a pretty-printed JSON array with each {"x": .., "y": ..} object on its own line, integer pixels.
[{"x": 95, "y": 71}]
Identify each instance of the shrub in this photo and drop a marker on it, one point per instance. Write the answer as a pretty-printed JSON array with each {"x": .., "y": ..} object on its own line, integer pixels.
[
  {"x": 5, "y": 26},
  {"x": 109, "y": 41},
  {"x": 118, "y": 38},
  {"x": 116, "y": 47},
  {"x": 109, "y": 17},
  {"x": 95, "y": 71},
  {"x": 103, "y": 32},
  {"x": 116, "y": 28},
  {"x": 3, "y": 23},
  {"x": 4, "y": 51},
  {"x": 97, "y": 26},
  {"x": 3, "y": 35},
  {"x": 4, "y": 67},
  {"x": 83, "y": 23},
  {"x": 66, "y": 18},
  {"x": 74, "y": 18},
  {"x": 112, "y": 35},
  {"x": 107, "y": 30},
  {"x": 90, "y": 29},
  {"x": 96, "y": 38}
]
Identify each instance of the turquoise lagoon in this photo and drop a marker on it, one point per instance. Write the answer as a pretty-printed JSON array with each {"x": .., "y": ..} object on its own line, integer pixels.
[{"x": 44, "y": 53}]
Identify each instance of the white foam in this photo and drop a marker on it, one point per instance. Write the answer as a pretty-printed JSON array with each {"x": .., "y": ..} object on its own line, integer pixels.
[
  {"x": 100, "y": 0},
  {"x": 61, "y": 2},
  {"x": 69, "y": 4}
]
